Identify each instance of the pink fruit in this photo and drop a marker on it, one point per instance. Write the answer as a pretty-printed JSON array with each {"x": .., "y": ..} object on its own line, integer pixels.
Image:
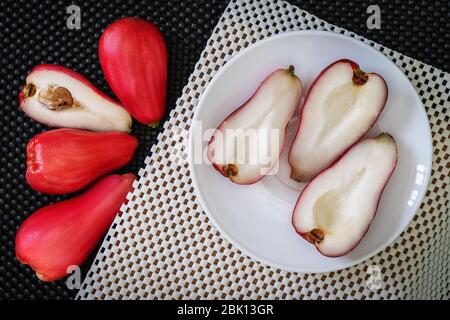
[
  {"x": 342, "y": 104},
  {"x": 59, "y": 97},
  {"x": 335, "y": 209},
  {"x": 63, "y": 234},
  {"x": 133, "y": 57},
  {"x": 247, "y": 145},
  {"x": 65, "y": 160}
]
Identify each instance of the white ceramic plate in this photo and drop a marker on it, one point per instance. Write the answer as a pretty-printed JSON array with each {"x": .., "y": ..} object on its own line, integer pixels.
[{"x": 257, "y": 218}]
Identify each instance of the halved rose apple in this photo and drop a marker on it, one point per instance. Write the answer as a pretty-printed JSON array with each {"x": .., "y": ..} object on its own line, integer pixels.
[
  {"x": 60, "y": 97},
  {"x": 247, "y": 145},
  {"x": 335, "y": 209},
  {"x": 342, "y": 104}
]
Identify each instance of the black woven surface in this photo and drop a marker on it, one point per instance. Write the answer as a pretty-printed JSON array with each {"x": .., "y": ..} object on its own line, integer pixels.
[{"x": 34, "y": 32}]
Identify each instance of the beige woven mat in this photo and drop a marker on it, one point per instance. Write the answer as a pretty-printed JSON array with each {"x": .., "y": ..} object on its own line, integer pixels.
[{"x": 164, "y": 246}]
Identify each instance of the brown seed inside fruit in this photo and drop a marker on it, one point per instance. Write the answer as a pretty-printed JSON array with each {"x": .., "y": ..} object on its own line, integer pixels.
[
  {"x": 315, "y": 236},
  {"x": 359, "y": 77},
  {"x": 230, "y": 170},
  {"x": 29, "y": 90},
  {"x": 56, "y": 98}
]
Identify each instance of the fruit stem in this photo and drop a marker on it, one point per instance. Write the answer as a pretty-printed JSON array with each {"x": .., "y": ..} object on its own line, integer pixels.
[{"x": 291, "y": 70}]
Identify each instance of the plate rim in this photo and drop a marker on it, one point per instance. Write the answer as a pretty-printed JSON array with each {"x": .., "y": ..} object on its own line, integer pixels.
[{"x": 248, "y": 252}]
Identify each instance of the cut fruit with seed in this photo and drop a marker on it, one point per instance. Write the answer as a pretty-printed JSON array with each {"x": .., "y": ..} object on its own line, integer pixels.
[
  {"x": 60, "y": 97},
  {"x": 335, "y": 209},
  {"x": 247, "y": 145},
  {"x": 342, "y": 104}
]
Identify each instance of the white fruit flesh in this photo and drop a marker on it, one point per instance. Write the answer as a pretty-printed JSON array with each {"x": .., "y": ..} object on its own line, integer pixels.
[
  {"x": 91, "y": 111},
  {"x": 249, "y": 141},
  {"x": 340, "y": 203},
  {"x": 336, "y": 113}
]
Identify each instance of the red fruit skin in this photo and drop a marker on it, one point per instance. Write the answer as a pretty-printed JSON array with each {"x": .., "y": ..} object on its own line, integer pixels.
[
  {"x": 63, "y": 234},
  {"x": 66, "y": 160},
  {"x": 133, "y": 57}
]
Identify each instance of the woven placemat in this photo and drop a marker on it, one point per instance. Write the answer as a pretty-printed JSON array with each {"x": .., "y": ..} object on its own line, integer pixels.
[{"x": 163, "y": 245}]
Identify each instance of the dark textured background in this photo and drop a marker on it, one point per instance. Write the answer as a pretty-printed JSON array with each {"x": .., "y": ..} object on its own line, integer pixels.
[{"x": 34, "y": 32}]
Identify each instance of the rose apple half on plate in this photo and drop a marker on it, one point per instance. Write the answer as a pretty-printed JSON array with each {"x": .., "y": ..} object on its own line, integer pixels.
[
  {"x": 335, "y": 209},
  {"x": 342, "y": 104},
  {"x": 246, "y": 146},
  {"x": 59, "y": 97}
]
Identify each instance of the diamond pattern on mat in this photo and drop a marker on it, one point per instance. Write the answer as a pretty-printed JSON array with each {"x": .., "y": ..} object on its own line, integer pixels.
[{"x": 163, "y": 245}]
